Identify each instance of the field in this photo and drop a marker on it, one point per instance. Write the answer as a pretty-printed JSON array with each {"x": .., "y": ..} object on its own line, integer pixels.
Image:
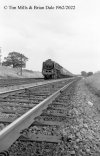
[
  {"x": 93, "y": 82},
  {"x": 8, "y": 72}
]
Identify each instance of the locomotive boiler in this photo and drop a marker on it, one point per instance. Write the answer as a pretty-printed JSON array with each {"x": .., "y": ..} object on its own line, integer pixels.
[{"x": 52, "y": 70}]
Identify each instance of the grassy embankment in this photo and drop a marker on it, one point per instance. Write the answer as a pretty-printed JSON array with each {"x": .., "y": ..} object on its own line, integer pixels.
[
  {"x": 8, "y": 72},
  {"x": 93, "y": 83}
]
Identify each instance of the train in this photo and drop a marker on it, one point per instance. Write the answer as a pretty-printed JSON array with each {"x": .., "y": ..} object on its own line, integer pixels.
[{"x": 52, "y": 70}]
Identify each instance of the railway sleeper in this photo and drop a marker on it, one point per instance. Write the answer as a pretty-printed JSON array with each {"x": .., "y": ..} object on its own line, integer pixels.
[
  {"x": 14, "y": 111},
  {"x": 25, "y": 97},
  {"x": 26, "y": 105},
  {"x": 18, "y": 101},
  {"x": 57, "y": 107},
  {"x": 52, "y": 118},
  {"x": 57, "y": 114},
  {"x": 59, "y": 103},
  {"x": 41, "y": 137},
  {"x": 59, "y": 118},
  {"x": 43, "y": 122},
  {"x": 7, "y": 120},
  {"x": 54, "y": 115},
  {"x": 57, "y": 110}
]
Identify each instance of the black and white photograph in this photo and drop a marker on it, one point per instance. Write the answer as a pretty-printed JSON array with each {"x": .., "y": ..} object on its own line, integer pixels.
[{"x": 49, "y": 78}]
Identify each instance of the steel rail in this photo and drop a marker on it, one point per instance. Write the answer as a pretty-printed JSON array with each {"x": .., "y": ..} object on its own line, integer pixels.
[{"x": 10, "y": 133}]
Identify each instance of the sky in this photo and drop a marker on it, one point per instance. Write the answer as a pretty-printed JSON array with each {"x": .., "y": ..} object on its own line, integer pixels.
[{"x": 69, "y": 37}]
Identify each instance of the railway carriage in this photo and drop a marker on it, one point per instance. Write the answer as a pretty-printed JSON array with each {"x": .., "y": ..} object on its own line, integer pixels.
[{"x": 52, "y": 70}]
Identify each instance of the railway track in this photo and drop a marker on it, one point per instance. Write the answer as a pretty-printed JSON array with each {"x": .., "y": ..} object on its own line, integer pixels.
[
  {"x": 48, "y": 106},
  {"x": 18, "y": 81},
  {"x": 15, "y": 103}
]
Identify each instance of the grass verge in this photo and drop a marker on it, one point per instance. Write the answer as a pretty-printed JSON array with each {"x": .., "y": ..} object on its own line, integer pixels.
[{"x": 93, "y": 83}]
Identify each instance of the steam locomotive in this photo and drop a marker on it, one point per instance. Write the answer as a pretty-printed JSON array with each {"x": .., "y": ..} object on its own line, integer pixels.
[{"x": 52, "y": 70}]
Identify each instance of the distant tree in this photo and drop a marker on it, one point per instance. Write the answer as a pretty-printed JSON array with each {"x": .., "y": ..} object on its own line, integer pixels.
[
  {"x": 15, "y": 59},
  {"x": 83, "y": 73},
  {"x": 89, "y": 73}
]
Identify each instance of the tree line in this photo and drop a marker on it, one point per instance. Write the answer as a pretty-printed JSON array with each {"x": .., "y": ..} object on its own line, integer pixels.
[
  {"x": 86, "y": 74},
  {"x": 15, "y": 60}
]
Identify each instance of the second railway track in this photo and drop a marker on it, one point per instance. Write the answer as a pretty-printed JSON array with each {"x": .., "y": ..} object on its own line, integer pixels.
[
  {"x": 44, "y": 128},
  {"x": 19, "y": 81}
]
